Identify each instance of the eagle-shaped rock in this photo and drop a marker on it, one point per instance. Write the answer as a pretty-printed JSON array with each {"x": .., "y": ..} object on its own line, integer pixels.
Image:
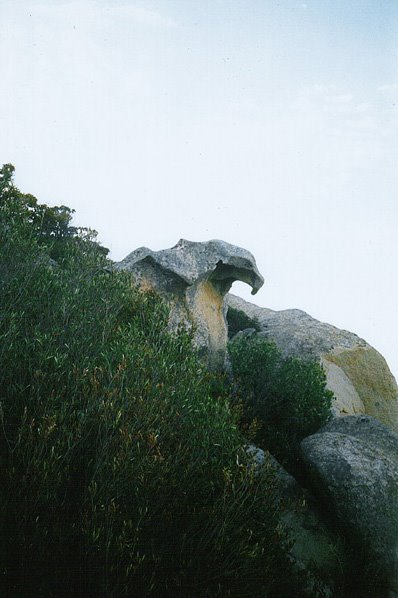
[{"x": 194, "y": 278}]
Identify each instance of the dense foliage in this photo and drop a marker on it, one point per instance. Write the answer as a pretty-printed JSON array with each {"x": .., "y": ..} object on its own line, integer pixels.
[
  {"x": 283, "y": 399},
  {"x": 121, "y": 470}
]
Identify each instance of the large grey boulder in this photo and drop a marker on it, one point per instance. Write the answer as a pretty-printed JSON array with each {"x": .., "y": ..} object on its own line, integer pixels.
[
  {"x": 194, "y": 278},
  {"x": 352, "y": 466},
  {"x": 356, "y": 373}
]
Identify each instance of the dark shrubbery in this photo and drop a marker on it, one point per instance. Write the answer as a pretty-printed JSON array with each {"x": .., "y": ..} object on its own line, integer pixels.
[
  {"x": 284, "y": 400},
  {"x": 121, "y": 474},
  {"x": 237, "y": 320}
]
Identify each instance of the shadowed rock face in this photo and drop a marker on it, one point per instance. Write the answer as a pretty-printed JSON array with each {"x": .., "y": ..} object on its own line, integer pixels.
[
  {"x": 353, "y": 464},
  {"x": 356, "y": 373},
  {"x": 313, "y": 544},
  {"x": 194, "y": 278}
]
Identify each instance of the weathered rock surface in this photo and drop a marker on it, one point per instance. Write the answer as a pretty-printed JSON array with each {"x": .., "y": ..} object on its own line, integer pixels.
[
  {"x": 369, "y": 430},
  {"x": 194, "y": 278},
  {"x": 353, "y": 467},
  {"x": 356, "y": 373}
]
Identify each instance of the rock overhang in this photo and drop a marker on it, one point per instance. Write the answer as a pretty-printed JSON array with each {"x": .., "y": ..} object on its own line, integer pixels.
[
  {"x": 195, "y": 278},
  {"x": 193, "y": 261}
]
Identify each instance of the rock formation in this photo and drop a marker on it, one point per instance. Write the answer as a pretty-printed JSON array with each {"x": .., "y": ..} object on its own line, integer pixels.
[
  {"x": 353, "y": 467},
  {"x": 194, "y": 278},
  {"x": 356, "y": 373}
]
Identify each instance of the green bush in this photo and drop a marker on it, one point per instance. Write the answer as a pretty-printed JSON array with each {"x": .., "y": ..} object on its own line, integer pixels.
[
  {"x": 122, "y": 470},
  {"x": 283, "y": 399},
  {"x": 237, "y": 320}
]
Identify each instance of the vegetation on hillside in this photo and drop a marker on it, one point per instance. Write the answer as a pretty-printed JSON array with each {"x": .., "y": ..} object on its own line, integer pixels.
[{"x": 122, "y": 471}]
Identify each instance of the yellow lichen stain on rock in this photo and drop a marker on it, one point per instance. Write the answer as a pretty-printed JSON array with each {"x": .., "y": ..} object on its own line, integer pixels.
[
  {"x": 208, "y": 309},
  {"x": 369, "y": 374},
  {"x": 346, "y": 399}
]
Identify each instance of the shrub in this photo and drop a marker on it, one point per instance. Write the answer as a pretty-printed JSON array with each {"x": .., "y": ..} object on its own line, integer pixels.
[
  {"x": 122, "y": 469},
  {"x": 284, "y": 399},
  {"x": 237, "y": 320}
]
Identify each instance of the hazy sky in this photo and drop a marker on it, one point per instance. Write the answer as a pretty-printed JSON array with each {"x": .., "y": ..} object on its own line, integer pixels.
[{"x": 269, "y": 124}]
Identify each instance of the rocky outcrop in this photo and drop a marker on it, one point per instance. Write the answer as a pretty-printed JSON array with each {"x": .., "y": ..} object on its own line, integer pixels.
[
  {"x": 352, "y": 466},
  {"x": 356, "y": 373},
  {"x": 194, "y": 278}
]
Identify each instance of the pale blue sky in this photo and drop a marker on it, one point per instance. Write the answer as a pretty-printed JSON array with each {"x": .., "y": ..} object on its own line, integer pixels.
[{"x": 270, "y": 124}]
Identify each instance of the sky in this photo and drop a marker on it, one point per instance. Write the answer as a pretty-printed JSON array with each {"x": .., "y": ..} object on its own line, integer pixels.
[{"x": 269, "y": 124}]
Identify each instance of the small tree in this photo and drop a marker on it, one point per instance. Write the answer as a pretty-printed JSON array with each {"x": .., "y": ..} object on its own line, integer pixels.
[{"x": 23, "y": 216}]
